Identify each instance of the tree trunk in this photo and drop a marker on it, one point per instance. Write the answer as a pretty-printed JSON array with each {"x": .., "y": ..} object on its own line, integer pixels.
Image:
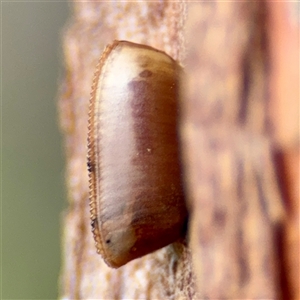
[{"x": 239, "y": 142}]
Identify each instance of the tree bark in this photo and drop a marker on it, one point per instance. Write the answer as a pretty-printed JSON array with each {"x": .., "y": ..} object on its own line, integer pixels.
[{"x": 240, "y": 164}]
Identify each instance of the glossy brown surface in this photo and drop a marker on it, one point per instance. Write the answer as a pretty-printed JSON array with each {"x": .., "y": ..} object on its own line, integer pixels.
[{"x": 136, "y": 195}]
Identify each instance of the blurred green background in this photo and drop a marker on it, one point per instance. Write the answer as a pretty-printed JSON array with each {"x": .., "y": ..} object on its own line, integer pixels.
[{"x": 33, "y": 191}]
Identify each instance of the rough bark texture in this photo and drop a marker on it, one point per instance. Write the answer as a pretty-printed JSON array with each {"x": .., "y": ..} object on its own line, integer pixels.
[{"x": 240, "y": 167}]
